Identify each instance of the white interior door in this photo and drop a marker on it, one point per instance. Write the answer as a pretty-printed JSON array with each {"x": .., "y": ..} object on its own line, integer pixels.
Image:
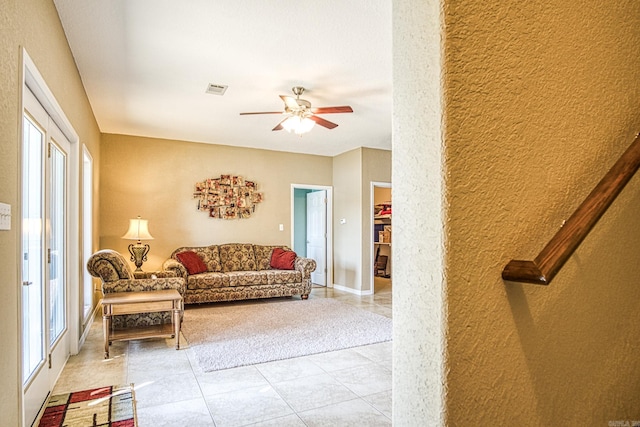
[
  {"x": 317, "y": 234},
  {"x": 44, "y": 255}
]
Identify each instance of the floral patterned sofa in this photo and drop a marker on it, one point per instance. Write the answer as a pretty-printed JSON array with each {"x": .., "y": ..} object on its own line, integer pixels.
[
  {"x": 116, "y": 276},
  {"x": 240, "y": 271}
]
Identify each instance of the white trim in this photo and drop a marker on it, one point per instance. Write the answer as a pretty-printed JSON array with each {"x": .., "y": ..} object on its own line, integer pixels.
[
  {"x": 372, "y": 259},
  {"x": 90, "y": 320},
  {"x": 329, "y": 190},
  {"x": 20, "y": 125},
  {"x": 353, "y": 291},
  {"x": 86, "y": 228},
  {"x": 36, "y": 83}
]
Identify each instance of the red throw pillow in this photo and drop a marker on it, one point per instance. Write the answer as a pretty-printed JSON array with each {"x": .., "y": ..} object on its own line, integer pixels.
[
  {"x": 192, "y": 262},
  {"x": 282, "y": 260}
]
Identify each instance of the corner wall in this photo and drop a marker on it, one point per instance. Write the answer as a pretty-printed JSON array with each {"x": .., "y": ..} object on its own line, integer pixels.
[
  {"x": 347, "y": 240},
  {"x": 541, "y": 99},
  {"x": 34, "y": 25},
  {"x": 376, "y": 167},
  {"x": 353, "y": 172},
  {"x": 419, "y": 389}
]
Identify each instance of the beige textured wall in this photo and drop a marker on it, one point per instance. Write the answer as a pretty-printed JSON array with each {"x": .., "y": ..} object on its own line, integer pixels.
[
  {"x": 9, "y": 77},
  {"x": 347, "y": 238},
  {"x": 541, "y": 99},
  {"x": 353, "y": 172},
  {"x": 33, "y": 24},
  {"x": 376, "y": 166},
  {"x": 417, "y": 258},
  {"x": 155, "y": 179}
]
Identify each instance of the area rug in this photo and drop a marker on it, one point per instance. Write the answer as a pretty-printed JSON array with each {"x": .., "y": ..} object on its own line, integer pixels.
[
  {"x": 229, "y": 335},
  {"x": 111, "y": 406}
]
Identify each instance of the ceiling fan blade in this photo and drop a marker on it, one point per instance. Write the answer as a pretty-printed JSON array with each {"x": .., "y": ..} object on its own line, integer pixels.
[
  {"x": 323, "y": 122},
  {"x": 262, "y": 112},
  {"x": 279, "y": 126},
  {"x": 290, "y": 102},
  {"x": 327, "y": 110}
]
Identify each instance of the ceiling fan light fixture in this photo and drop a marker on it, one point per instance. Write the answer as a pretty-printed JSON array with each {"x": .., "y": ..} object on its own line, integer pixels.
[
  {"x": 299, "y": 117},
  {"x": 298, "y": 124}
]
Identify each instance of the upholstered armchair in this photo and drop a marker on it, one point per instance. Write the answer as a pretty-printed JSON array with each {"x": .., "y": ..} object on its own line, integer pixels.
[{"x": 116, "y": 276}]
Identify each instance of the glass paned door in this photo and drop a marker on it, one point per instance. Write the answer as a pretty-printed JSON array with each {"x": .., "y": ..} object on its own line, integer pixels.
[
  {"x": 45, "y": 182},
  {"x": 32, "y": 249},
  {"x": 57, "y": 243}
]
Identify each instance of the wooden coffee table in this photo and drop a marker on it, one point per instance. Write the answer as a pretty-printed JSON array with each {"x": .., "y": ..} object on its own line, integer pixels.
[{"x": 136, "y": 303}]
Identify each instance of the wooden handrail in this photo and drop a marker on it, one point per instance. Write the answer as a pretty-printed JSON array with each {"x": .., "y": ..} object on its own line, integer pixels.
[{"x": 544, "y": 267}]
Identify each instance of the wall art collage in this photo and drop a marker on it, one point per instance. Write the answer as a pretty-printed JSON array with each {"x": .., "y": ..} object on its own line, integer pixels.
[{"x": 227, "y": 197}]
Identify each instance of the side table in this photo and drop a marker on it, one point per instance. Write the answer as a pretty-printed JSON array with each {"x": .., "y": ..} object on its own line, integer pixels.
[{"x": 141, "y": 302}]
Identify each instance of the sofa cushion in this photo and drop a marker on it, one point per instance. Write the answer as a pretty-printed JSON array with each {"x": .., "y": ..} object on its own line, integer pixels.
[
  {"x": 213, "y": 258},
  {"x": 192, "y": 262},
  {"x": 208, "y": 280},
  {"x": 237, "y": 257},
  {"x": 263, "y": 255},
  {"x": 282, "y": 260},
  {"x": 277, "y": 277},
  {"x": 247, "y": 278}
]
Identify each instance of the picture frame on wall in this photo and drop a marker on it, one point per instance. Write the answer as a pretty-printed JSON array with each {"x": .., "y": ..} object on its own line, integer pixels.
[{"x": 227, "y": 197}]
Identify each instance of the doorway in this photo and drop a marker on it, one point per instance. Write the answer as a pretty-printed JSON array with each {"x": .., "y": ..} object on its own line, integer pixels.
[
  {"x": 311, "y": 236},
  {"x": 381, "y": 215}
]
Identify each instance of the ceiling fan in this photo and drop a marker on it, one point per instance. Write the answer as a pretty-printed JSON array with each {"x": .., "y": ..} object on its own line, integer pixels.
[{"x": 300, "y": 117}]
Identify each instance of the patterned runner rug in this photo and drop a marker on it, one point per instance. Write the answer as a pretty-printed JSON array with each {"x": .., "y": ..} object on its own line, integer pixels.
[{"x": 111, "y": 406}]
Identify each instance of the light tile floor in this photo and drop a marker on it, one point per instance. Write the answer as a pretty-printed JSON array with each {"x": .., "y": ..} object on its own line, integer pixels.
[{"x": 350, "y": 387}]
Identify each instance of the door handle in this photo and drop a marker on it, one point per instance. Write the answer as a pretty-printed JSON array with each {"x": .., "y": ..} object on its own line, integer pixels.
[{"x": 26, "y": 283}]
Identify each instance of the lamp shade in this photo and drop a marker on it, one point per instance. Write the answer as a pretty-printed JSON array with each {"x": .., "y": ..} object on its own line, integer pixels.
[{"x": 138, "y": 230}]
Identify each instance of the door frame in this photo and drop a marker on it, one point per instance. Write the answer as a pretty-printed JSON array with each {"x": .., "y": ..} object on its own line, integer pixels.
[
  {"x": 87, "y": 241},
  {"x": 32, "y": 80},
  {"x": 329, "y": 231}
]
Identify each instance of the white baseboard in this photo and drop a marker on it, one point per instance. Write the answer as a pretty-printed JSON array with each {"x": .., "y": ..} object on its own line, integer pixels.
[
  {"x": 90, "y": 320},
  {"x": 352, "y": 291}
]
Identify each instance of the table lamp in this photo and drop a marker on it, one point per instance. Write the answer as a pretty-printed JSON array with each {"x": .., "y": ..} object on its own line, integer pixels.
[{"x": 138, "y": 230}]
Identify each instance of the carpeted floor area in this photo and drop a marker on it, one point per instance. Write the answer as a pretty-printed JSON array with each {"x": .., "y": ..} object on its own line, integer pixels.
[{"x": 229, "y": 335}]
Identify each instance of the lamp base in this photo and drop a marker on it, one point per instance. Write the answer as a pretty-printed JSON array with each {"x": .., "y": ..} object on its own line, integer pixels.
[{"x": 138, "y": 254}]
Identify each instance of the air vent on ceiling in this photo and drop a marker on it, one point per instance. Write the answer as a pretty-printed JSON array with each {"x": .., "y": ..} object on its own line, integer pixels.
[{"x": 215, "y": 89}]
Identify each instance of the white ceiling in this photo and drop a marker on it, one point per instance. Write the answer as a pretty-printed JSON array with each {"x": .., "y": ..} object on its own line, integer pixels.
[{"x": 146, "y": 64}]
